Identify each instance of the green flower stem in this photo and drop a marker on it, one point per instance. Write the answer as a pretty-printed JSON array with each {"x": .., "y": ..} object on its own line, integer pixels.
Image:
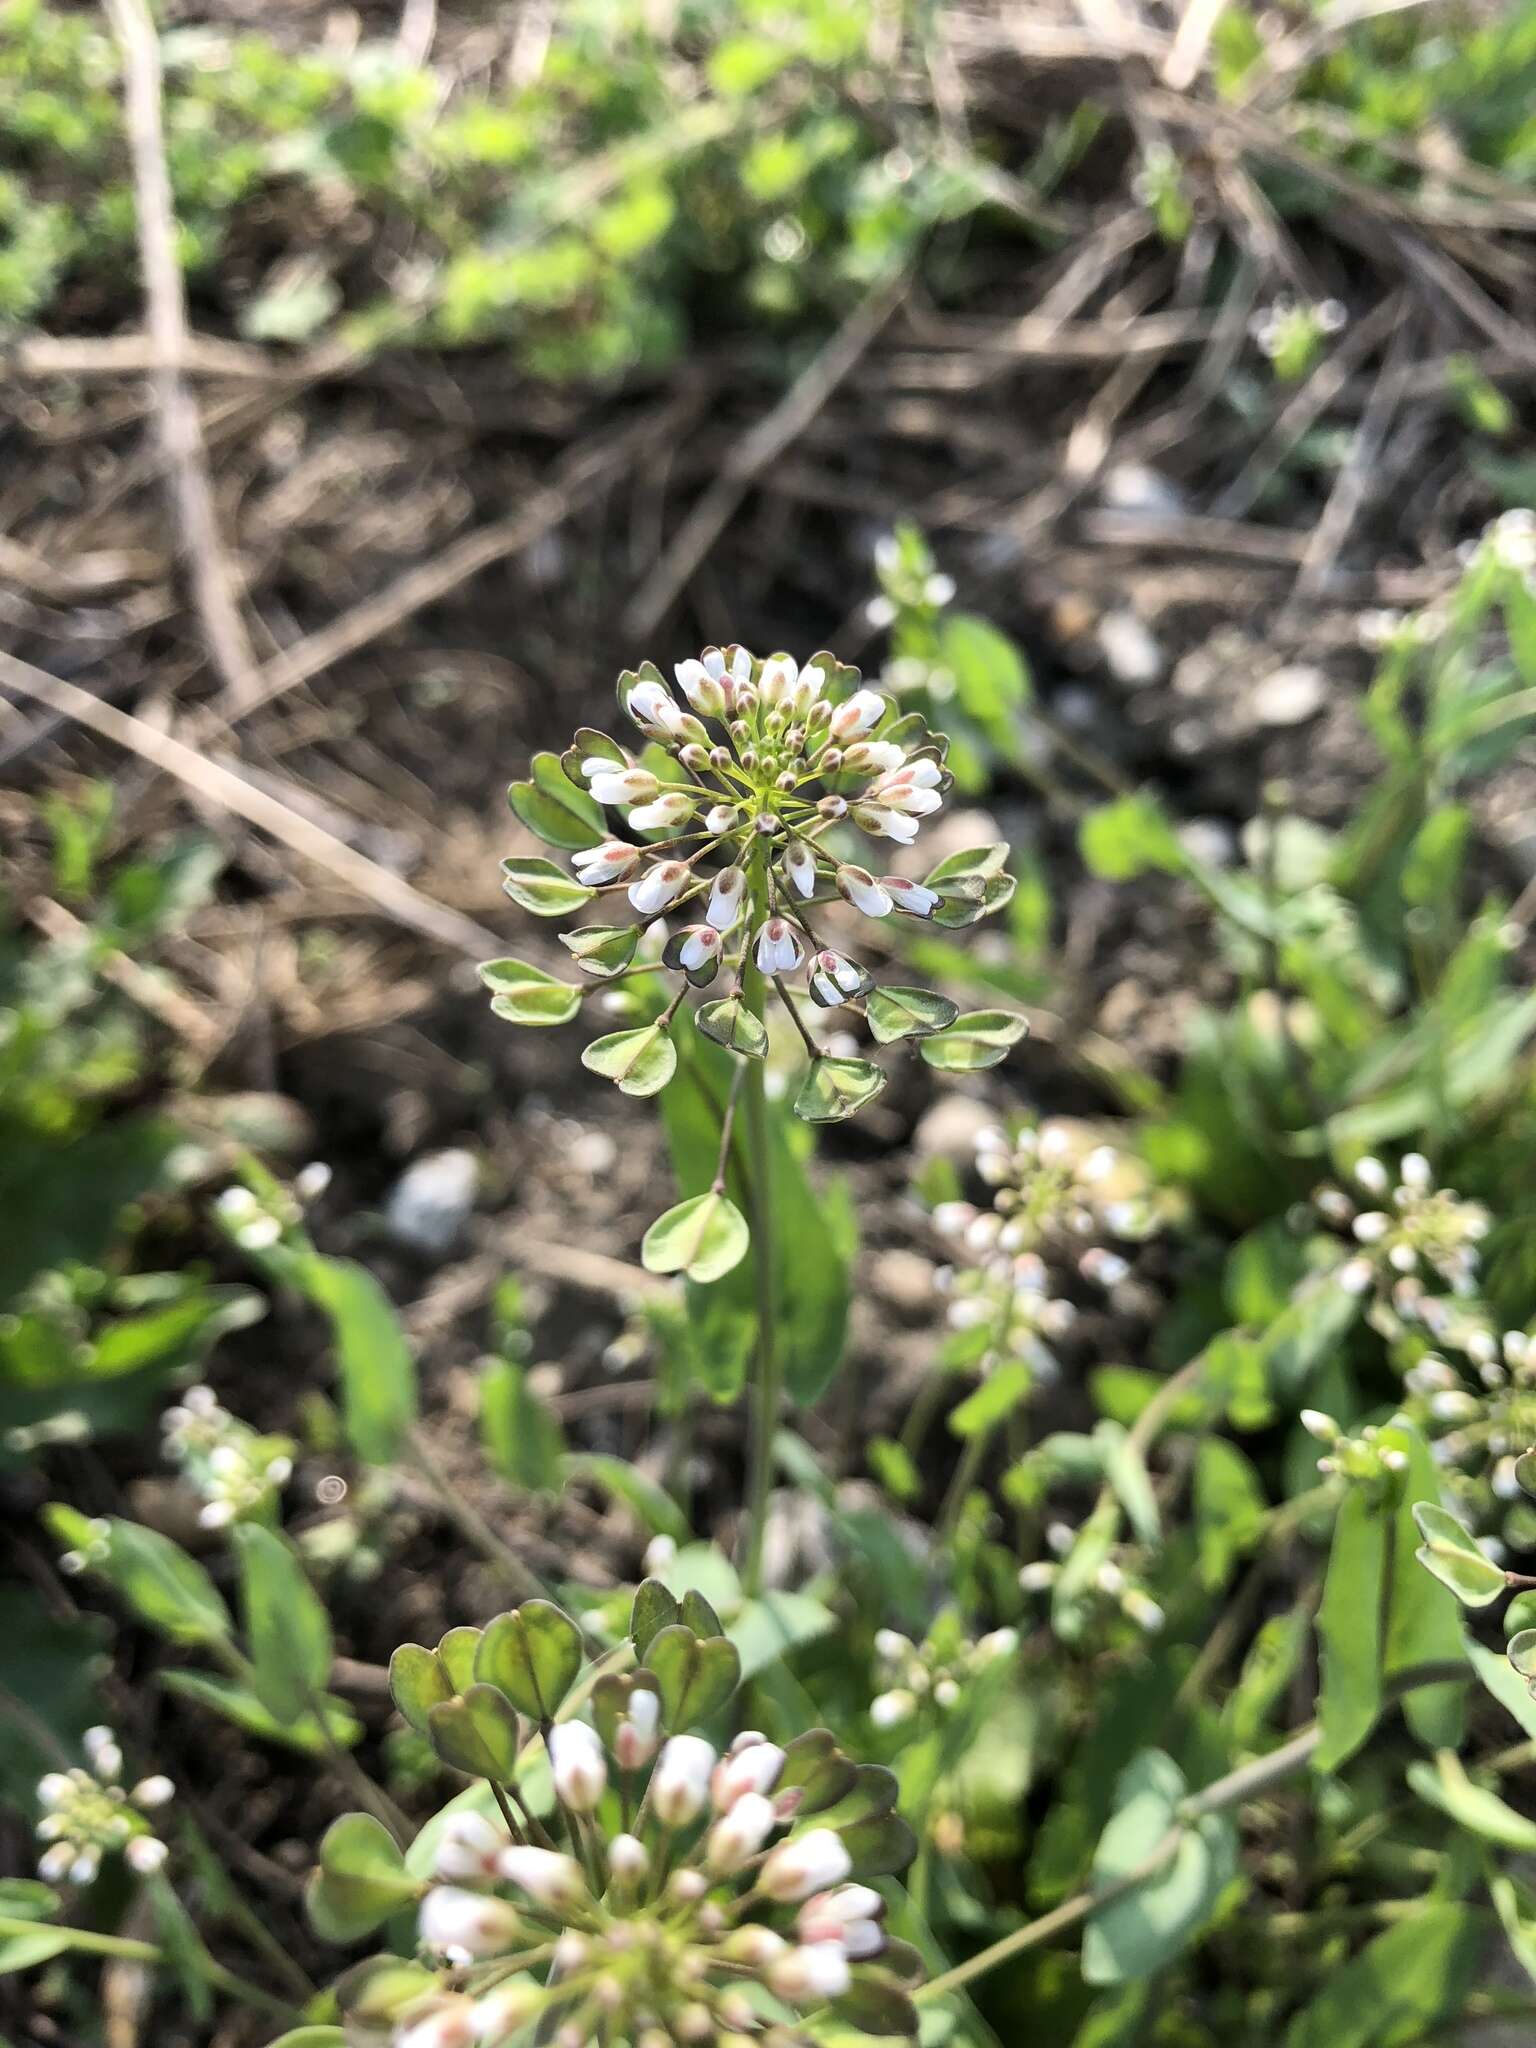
[
  {"x": 767, "y": 1381},
  {"x": 120, "y": 1948},
  {"x": 1246, "y": 1782}
]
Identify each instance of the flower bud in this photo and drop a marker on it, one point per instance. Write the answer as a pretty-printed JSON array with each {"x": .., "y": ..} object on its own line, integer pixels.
[
  {"x": 738, "y": 1835},
  {"x": 498, "y": 2015},
  {"x": 449, "y": 2025},
  {"x": 779, "y": 949},
  {"x": 145, "y": 1854},
  {"x": 628, "y": 1860},
  {"x": 857, "y": 715},
  {"x": 911, "y": 897},
  {"x": 810, "y": 1974},
  {"x": 859, "y": 887},
  {"x": 468, "y": 1850},
  {"x": 578, "y": 1765},
  {"x": 680, "y": 1783},
  {"x": 612, "y": 861},
  {"x": 635, "y": 1738},
  {"x": 659, "y": 886},
  {"x": 548, "y": 1878},
  {"x": 811, "y": 1863},
  {"x": 727, "y": 900},
  {"x": 755, "y": 1767},
  {"x": 754, "y": 1945},
  {"x": 455, "y": 1921}
]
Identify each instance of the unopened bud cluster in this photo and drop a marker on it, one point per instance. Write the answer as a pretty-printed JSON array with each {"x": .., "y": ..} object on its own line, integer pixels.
[
  {"x": 934, "y": 1673},
  {"x": 238, "y": 1472},
  {"x": 1404, "y": 1229},
  {"x": 1475, "y": 1399},
  {"x": 914, "y": 593},
  {"x": 1375, "y": 1459},
  {"x": 1116, "y": 1589},
  {"x": 88, "y": 1815}
]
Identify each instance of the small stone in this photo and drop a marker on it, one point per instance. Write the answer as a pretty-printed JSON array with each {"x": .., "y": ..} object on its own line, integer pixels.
[
  {"x": 1131, "y": 654},
  {"x": 949, "y": 1128},
  {"x": 430, "y": 1204},
  {"x": 1290, "y": 696}
]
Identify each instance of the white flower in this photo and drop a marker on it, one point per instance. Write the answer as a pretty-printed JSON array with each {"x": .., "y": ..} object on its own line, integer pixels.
[
  {"x": 469, "y": 1849},
  {"x": 884, "y": 824},
  {"x": 857, "y": 715},
  {"x": 610, "y": 862},
  {"x": 671, "y": 809},
  {"x": 727, "y": 900},
  {"x": 811, "y": 1863},
  {"x": 53, "y": 1788},
  {"x": 799, "y": 866},
  {"x": 654, "y": 710},
  {"x": 152, "y": 1792},
  {"x": 680, "y": 1782},
  {"x": 911, "y": 897},
  {"x": 1415, "y": 1170},
  {"x": 755, "y": 1767},
  {"x": 738, "y": 1835},
  {"x": 85, "y": 1864},
  {"x": 913, "y": 787},
  {"x": 811, "y": 1974},
  {"x": 611, "y": 784},
  {"x": 835, "y": 979},
  {"x": 466, "y": 1923},
  {"x": 779, "y": 947},
  {"x": 498, "y": 2015},
  {"x": 1372, "y": 1227},
  {"x": 722, "y": 818},
  {"x": 890, "y": 1709},
  {"x": 1355, "y": 1276},
  {"x": 849, "y": 1916},
  {"x": 1372, "y": 1175},
  {"x": 659, "y": 886},
  {"x": 635, "y": 1738},
  {"x": 705, "y": 691},
  {"x": 579, "y": 1768},
  {"x": 628, "y": 1859},
  {"x": 548, "y": 1878},
  {"x": 860, "y": 888},
  {"x": 873, "y": 757},
  {"x": 698, "y": 948},
  {"x": 447, "y": 2026},
  {"x": 145, "y": 1854},
  {"x": 776, "y": 684}
]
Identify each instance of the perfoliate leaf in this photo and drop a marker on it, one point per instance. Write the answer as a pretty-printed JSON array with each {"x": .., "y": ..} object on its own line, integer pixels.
[
  {"x": 694, "y": 1675},
  {"x": 979, "y": 1038},
  {"x": 1454, "y": 1556},
  {"x": 524, "y": 994},
  {"x": 894, "y": 1013},
  {"x": 417, "y": 1683},
  {"x": 654, "y": 1609},
  {"x": 640, "y": 1062},
  {"x": 730, "y": 1023},
  {"x": 533, "y": 1654},
  {"x": 458, "y": 1650},
  {"x": 703, "y": 1237},
  {"x": 554, "y": 809},
  {"x": 836, "y": 1088},
  {"x": 538, "y": 885},
  {"x": 477, "y": 1733},
  {"x": 361, "y": 1879},
  {"x": 1521, "y": 1652},
  {"x": 589, "y": 744}
]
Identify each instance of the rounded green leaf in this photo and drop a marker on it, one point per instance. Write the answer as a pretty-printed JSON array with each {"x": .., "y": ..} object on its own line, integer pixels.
[
  {"x": 538, "y": 885},
  {"x": 695, "y": 1675},
  {"x": 972, "y": 884},
  {"x": 703, "y": 1237},
  {"x": 589, "y": 744},
  {"x": 836, "y": 1088},
  {"x": 524, "y": 994},
  {"x": 640, "y": 1062},
  {"x": 360, "y": 1881},
  {"x": 978, "y": 1039},
  {"x": 1521, "y": 1652},
  {"x": 653, "y": 1610},
  {"x": 1453, "y": 1555},
  {"x": 881, "y": 1846},
  {"x": 417, "y": 1683},
  {"x": 875, "y": 2003},
  {"x": 477, "y": 1733},
  {"x": 554, "y": 809},
  {"x": 730, "y": 1023},
  {"x": 1525, "y": 1470},
  {"x": 894, "y": 1013},
  {"x": 457, "y": 1650},
  {"x": 602, "y": 949},
  {"x": 533, "y": 1654}
]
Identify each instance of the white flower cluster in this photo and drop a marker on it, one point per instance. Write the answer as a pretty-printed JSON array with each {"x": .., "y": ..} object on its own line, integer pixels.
[
  {"x": 1417, "y": 1230},
  {"x": 646, "y": 1932},
  {"x": 1511, "y": 540},
  {"x": 1475, "y": 1398},
  {"x": 238, "y": 1472},
  {"x": 87, "y": 1815},
  {"x": 1288, "y": 330},
  {"x": 937, "y": 1669},
  {"x": 1116, "y": 1584}
]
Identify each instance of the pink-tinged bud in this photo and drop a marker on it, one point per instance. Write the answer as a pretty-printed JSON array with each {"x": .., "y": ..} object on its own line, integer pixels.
[
  {"x": 727, "y": 900},
  {"x": 836, "y": 979},
  {"x": 145, "y": 1854},
  {"x": 687, "y": 1887},
  {"x": 736, "y": 1838},
  {"x": 753, "y": 1945},
  {"x": 611, "y": 862},
  {"x": 858, "y": 714},
  {"x": 777, "y": 682},
  {"x": 833, "y": 807},
  {"x": 873, "y": 757},
  {"x": 670, "y": 810},
  {"x": 753, "y": 1768},
  {"x": 628, "y": 1860},
  {"x": 859, "y": 887},
  {"x": 611, "y": 784},
  {"x": 659, "y": 886},
  {"x": 152, "y": 1792},
  {"x": 548, "y": 1878},
  {"x": 705, "y": 692},
  {"x": 499, "y": 2014},
  {"x": 680, "y": 1782},
  {"x": 779, "y": 947},
  {"x": 827, "y": 1915},
  {"x": 700, "y": 948},
  {"x": 449, "y": 2025},
  {"x": 810, "y": 1975},
  {"x": 694, "y": 2023},
  {"x": 458, "y": 1922},
  {"x": 636, "y": 1737},
  {"x": 799, "y": 868},
  {"x": 578, "y": 1765},
  {"x": 469, "y": 1850},
  {"x": 912, "y": 898},
  {"x": 880, "y": 823},
  {"x": 722, "y": 818},
  {"x": 811, "y": 1863},
  {"x": 654, "y": 709}
]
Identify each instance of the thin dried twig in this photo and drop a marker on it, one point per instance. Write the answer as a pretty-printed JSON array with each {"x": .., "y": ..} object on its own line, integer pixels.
[
  {"x": 181, "y": 430},
  {"x": 222, "y": 786}
]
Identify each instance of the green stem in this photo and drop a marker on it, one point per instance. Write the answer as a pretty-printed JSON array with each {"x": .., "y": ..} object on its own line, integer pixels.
[
  {"x": 1246, "y": 1782},
  {"x": 120, "y": 1948},
  {"x": 767, "y": 1381}
]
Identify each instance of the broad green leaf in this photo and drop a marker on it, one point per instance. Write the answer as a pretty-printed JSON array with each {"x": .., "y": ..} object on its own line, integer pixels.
[
  {"x": 378, "y": 1373},
  {"x": 522, "y": 1437},
  {"x": 640, "y": 1062},
  {"x": 836, "y": 1088},
  {"x": 694, "y": 1675},
  {"x": 654, "y": 1609},
  {"x": 1126, "y": 1471},
  {"x": 1445, "y": 1785},
  {"x": 1394, "y": 1991},
  {"x": 1424, "y": 1623},
  {"x": 533, "y": 1654},
  {"x": 1349, "y": 1629},
  {"x": 538, "y": 885},
  {"x": 554, "y": 809},
  {"x": 1230, "y": 1509},
  {"x": 168, "y": 1591},
  {"x": 1506, "y": 1685},
  {"x": 894, "y": 1013},
  {"x": 602, "y": 949},
  {"x": 979, "y": 1038},
  {"x": 1147, "y": 1926},
  {"x": 311, "y": 1735},
  {"x": 1454, "y": 1556},
  {"x": 730, "y": 1023},
  {"x": 876, "y": 2003},
  {"x": 417, "y": 1683},
  {"x": 703, "y": 1237},
  {"x": 1123, "y": 839},
  {"x": 653, "y": 1507},
  {"x": 360, "y": 1881},
  {"x": 477, "y": 1733},
  {"x": 458, "y": 1650},
  {"x": 527, "y": 995},
  {"x": 990, "y": 677},
  {"x": 882, "y": 1846},
  {"x": 286, "y": 1625},
  {"x": 998, "y": 1395}
]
